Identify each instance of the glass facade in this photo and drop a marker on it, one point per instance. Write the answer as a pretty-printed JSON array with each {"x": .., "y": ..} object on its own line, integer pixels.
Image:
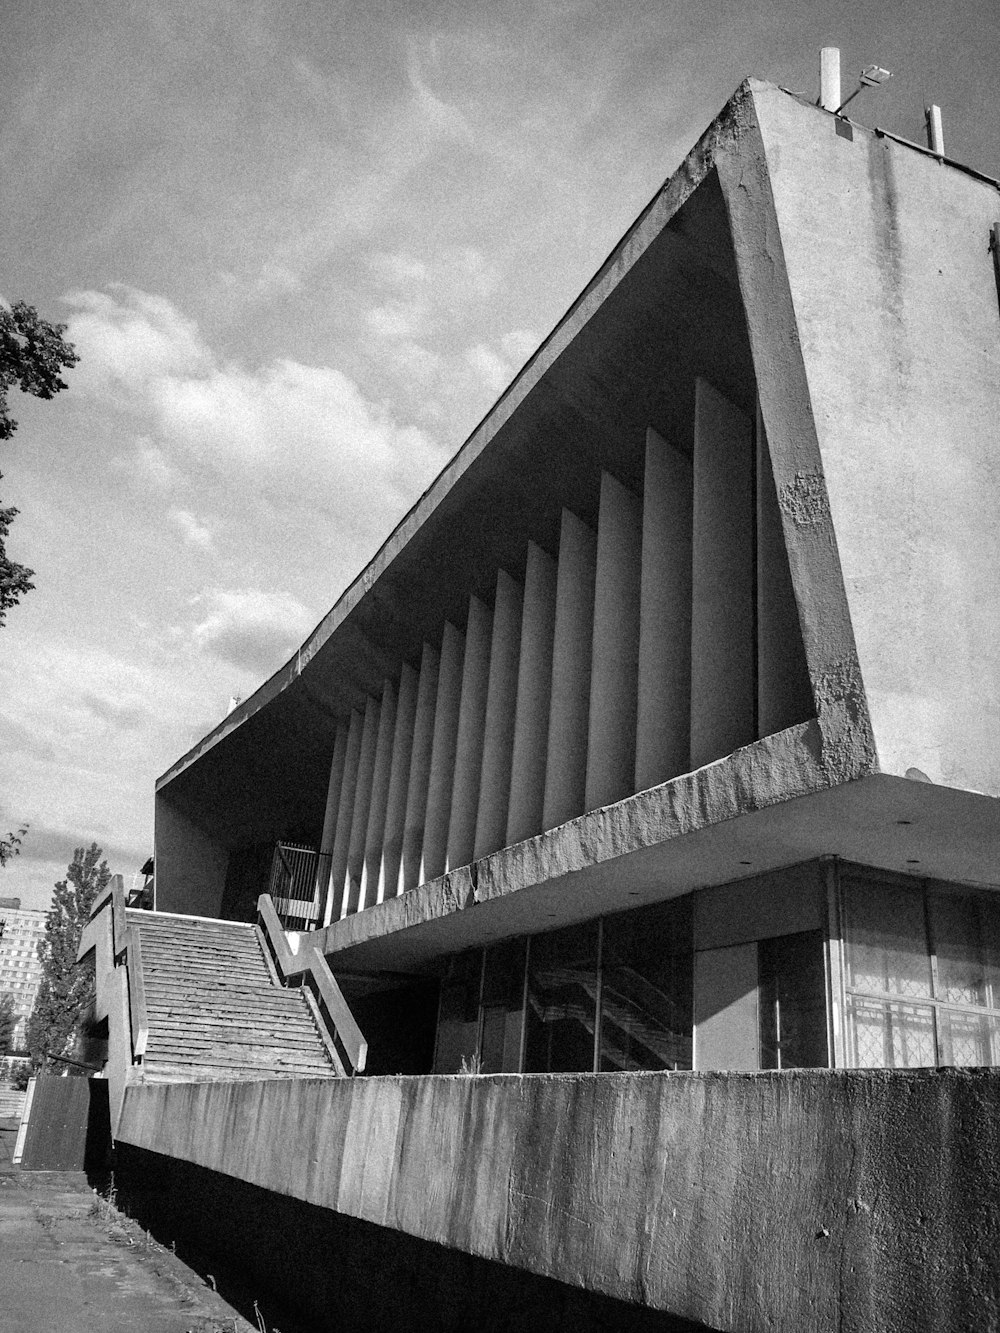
[
  {"x": 922, "y": 975},
  {"x": 916, "y": 983}
]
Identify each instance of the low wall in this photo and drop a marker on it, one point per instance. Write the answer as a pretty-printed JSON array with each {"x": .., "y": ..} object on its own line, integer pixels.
[{"x": 848, "y": 1200}]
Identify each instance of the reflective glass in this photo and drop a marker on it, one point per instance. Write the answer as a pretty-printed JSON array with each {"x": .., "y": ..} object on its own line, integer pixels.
[
  {"x": 458, "y": 1020},
  {"x": 646, "y": 990},
  {"x": 886, "y": 939},
  {"x": 793, "y": 1031},
  {"x": 503, "y": 1007},
  {"x": 562, "y": 990}
]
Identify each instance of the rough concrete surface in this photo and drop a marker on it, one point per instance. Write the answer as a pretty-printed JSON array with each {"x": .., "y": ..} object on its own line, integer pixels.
[
  {"x": 862, "y": 1201},
  {"x": 70, "y": 1261}
]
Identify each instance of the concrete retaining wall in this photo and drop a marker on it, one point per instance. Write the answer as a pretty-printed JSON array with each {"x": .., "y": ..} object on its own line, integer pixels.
[{"x": 849, "y": 1200}]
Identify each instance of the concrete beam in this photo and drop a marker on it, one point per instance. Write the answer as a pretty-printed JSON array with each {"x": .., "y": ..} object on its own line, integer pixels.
[
  {"x": 399, "y": 775},
  {"x": 471, "y": 730},
  {"x": 375, "y": 835},
  {"x": 420, "y": 770},
  {"x": 663, "y": 725},
  {"x": 723, "y": 691},
  {"x": 501, "y": 700},
  {"x": 442, "y": 772},
  {"x": 534, "y": 693},
  {"x": 614, "y": 671},
  {"x": 361, "y": 808},
  {"x": 572, "y": 645}
]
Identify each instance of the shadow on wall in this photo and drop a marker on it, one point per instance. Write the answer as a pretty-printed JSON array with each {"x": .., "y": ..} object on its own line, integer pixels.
[{"x": 310, "y": 1269}]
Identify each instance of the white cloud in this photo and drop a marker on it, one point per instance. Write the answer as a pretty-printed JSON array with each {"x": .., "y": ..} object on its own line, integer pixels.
[
  {"x": 492, "y": 370},
  {"x": 253, "y": 630},
  {"x": 286, "y": 429},
  {"x": 195, "y": 534},
  {"x": 129, "y": 343}
]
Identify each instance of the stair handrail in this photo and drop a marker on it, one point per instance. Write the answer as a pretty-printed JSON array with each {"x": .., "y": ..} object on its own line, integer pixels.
[
  {"x": 309, "y": 963},
  {"x": 138, "y": 1017}
]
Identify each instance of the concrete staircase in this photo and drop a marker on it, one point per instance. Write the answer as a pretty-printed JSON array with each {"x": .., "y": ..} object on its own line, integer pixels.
[{"x": 216, "y": 1010}]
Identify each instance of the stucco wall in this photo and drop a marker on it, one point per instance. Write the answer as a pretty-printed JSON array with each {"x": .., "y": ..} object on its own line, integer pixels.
[{"x": 841, "y": 1200}]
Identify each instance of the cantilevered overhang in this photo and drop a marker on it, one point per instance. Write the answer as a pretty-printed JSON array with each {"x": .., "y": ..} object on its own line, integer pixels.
[
  {"x": 665, "y": 308},
  {"x": 764, "y": 808}
]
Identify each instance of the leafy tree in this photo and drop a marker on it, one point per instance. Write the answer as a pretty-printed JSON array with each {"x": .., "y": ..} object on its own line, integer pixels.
[
  {"x": 32, "y": 354},
  {"x": 8, "y": 1021},
  {"x": 66, "y": 991},
  {"x": 11, "y": 844}
]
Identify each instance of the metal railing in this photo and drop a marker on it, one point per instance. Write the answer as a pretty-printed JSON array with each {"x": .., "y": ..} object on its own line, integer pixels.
[
  {"x": 297, "y": 884},
  {"x": 308, "y": 967}
]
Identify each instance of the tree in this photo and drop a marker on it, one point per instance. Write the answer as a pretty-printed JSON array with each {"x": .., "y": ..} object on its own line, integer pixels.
[
  {"x": 66, "y": 991},
  {"x": 32, "y": 353},
  {"x": 11, "y": 844},
  {"x": 8, "y": 1021}
]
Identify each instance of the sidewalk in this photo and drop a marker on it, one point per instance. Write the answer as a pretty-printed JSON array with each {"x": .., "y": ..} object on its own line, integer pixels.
[{"x": 69, "y": 1261}]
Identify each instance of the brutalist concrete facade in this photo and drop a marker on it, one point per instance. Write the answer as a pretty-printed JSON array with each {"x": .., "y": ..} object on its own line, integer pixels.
[{"x": 706, "y": 609}]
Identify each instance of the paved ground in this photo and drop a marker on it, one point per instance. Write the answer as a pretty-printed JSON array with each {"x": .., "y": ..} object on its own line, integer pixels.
[{"x": 69, "y": 1262}]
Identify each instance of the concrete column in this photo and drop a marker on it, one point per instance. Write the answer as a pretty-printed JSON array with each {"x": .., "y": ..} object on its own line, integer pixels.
[
  {"x": 572, "y": 643},
  {"x": 368, "y": 895},
  {"x": 723, "y": 693},
  {"x": 501, "y": 700},
  {"x": 332, "y": 805},
  {"x": 362, "y": 806},
  {"x": 614, "y": 671},
  {"x": 442, "y": 775},
  {"x": 335, "y": 899},
  {"x": 784, "y": 695},
  {"x": 726, "y": 1024},
  {"x": 663, "y": 723},
  {"x": 471, "y": 728},
  {"x": 399, "y": 777},
  {"x": 420, "y": 770},
  {"x": 534, "y": 691}
]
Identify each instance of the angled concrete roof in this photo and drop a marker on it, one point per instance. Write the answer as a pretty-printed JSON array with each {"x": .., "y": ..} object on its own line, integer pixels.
[{"x": 846, "y": 279}]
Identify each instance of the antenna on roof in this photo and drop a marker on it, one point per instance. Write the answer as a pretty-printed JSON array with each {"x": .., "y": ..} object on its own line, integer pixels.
[
  {"x": 872, "y": 76},
  {"x": 935, "y": 132}
]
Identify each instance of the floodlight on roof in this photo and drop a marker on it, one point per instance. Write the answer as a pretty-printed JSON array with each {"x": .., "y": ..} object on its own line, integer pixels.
[{"x": 872, "y": 76}]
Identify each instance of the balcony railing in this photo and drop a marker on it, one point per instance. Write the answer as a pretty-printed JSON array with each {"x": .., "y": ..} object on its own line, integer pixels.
[{"x": 298, "y": 885}]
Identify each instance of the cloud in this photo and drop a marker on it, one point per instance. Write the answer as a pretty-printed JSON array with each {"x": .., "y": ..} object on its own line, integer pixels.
[
  {"x": 291, "y": 431},
  {"x": 253, "y": 630},
  {"x": 123, "y": 717},
  {"x": 195, "y": 534},
  {"x": 129, "y": 343}
]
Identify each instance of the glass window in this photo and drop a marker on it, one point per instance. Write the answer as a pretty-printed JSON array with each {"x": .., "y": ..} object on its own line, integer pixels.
[
  {"x": 503, "y": 1008},
  {"x": 458, "y": 1020},
  {"x": 905, "y": 945},
  {"x": 646, "y": 988},
  {"x": 562, "y": 1001},
  {"x": 792, "y": 991}
]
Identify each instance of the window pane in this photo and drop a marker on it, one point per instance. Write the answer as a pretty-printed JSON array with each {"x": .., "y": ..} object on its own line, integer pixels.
[
  {"x": 647, "y": 987},
  {"x": 503, "y": 1012},
  {"x": 967, "y": 1039},
  {"x": 793, "y": 1002},
  {"x": 964, "y": 935},
  {"x": 890, "y": 1035},
  {"x": 458, "y": 1023},
  {"x": 562, "y": 986},
  {"x": 887, "y": 950}
]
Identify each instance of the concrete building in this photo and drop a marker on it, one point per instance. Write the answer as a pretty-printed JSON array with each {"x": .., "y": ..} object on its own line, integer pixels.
[
  {"x": 21, "y": 931},
  {"x": 657, "y": 749}
]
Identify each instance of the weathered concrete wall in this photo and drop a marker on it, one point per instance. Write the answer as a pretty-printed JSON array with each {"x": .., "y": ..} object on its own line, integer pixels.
[
  {"x": 848, "y": 1200},
  {"x": 190, "y": 866},
  {"x": 895, "y": 300}
]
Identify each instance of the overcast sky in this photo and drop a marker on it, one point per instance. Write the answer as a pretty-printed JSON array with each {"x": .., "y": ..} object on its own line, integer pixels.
[{"x": 301, "y": 247}]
